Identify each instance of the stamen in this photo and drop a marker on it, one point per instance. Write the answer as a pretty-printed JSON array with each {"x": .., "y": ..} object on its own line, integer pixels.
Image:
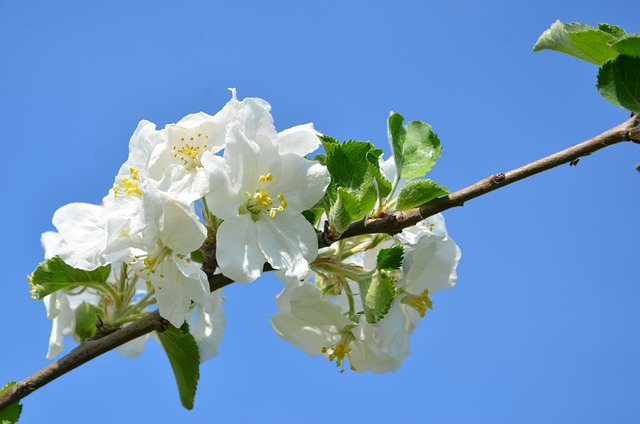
[
  {"x": 189, "y": 154},
  {"x": 128, "y": 185},
  {"x": 260, "y": 201},
  {"x": 419, "y": 302},
  {"x": 341, "y": 350}
]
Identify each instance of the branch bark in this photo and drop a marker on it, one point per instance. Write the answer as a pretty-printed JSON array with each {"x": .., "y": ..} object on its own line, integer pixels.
[{"x": 394, "y": 223}]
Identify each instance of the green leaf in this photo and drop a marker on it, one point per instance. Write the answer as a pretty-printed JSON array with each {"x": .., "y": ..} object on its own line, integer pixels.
[
  {"x": 197, "y": 256},
  {"x": 352, "y": 192},
  {"x": 313, "y": 215},
  {"x": 377, "y": 296},
  {"x": 417, "y": 192},
  {"x": 11, "y": 414},
  {"x": 347, "y": 162},
  {"x": 619, "y": 82},
  {"x": 53, "y": 275},
  {"x": 614, "y": 30},
  {"x": 384, "y": 185},
  {"x": 344, "y": 209},
  {"x": 629, "y": 45},
  {"x": 322, "y": 158},
  {"x": 390, "y": 258},
  {"x": 580, "y": 40},
  {"x": 86, "y": 320},
  {"x": 184, "y": 357},
  {"x": 415, "y": 146}
]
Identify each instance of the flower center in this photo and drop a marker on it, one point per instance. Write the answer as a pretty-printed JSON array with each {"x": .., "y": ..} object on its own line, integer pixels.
[
  {"x": 261, "y": 201},
  {"x": 419, "y": 302},
  {"x": 341, "y": 350},
  {"x": 128, "y": 185},
  {"x": 151, "y": 261},
  {"x": 189, "y": 150}
]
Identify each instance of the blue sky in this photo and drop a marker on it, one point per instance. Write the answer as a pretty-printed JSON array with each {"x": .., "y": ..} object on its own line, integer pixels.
[{"x": 543, "y": 324}]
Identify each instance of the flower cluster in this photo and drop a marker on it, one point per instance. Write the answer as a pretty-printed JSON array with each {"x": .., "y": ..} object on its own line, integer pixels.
[
  {"x": 327, "y": 314},
  {"x": 251, "y": 184},
  {"x": 229, "y": 193}
]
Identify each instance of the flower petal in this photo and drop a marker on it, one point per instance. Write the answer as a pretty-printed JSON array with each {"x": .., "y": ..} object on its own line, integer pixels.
[
  {"x": 222, "y": 200},
  {"x": 174, "y": 291},
  {"x": 207, "y": 327},
  {"x": 288, "y": 241},
  {"x": 299, "y": 140},
  {"x": 431, "y": 264},
  {"x": 60, "y": 312},
  {"x": 238, "y": 252},
  {"x": 304, "y": 182},
  {"x": 81, "y": 226}
]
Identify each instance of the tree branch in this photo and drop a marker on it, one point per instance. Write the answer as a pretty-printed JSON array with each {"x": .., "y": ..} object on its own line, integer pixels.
[
  {"x": 81, "y": 354},
  {"x": 391, "y": 224},
  {"x": 394, "y": 223}
]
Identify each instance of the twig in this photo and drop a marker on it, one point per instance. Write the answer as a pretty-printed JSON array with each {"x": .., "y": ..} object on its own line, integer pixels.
[
  {"x": 81, "y": 354},
  {"x": 393, "y": 223}
]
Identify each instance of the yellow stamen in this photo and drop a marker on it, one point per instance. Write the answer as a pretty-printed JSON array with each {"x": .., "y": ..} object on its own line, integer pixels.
[
  {"x": 189, "y": 154},
  {"x": 128, "y": 185},
  {"x": 260, "y": 201},
  {"x": 419, "y": 302},
  {"x": 341, "y": 350}
]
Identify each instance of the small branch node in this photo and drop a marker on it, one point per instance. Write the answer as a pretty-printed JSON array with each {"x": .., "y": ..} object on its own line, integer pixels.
[{"x": 499, "y": 178}]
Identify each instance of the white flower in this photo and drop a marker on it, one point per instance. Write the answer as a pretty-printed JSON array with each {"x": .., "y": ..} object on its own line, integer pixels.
[
  {"x": 313, "y": 324},
  {"x": 319, "y": 325},
  {"x": 171, "y": 232},
  {"x": 431, "y": 259},
  {"x": 184, "y": 143},
  {"x": 385, "y": 344},
  {"x": 260, "y": 193}
]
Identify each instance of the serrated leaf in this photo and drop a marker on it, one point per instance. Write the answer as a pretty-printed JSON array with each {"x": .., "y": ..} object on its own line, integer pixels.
[
  {"x": 347, "y": 163},
  {"x": 579, "y": 40},
  {"x": 352, "y": 193},
  {"x": 53, "y": 275},
  {"x": 10, "y": 414},
  {"x": 377, "y": 295},
  {"x": 614, "y": 30},
  {"x": 619, "y": 82},
  {"x": 417, "y": 192},
  {"x": 344, "y": 210},
  {"x": 415, "y": 146},
  {"x": 321, "y": 158},
  {"x": 629, "y": 45},
  {"x": 183, "y": 354},
  {"x": 384, "y": 185},
  {"x": 86, "y": 320},
  {"x": 390, "y": 258}
]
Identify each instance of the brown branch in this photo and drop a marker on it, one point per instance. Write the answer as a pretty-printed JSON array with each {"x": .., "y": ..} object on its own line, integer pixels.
[
  {"x": 81, "y": 354},
  {"x": 394, "y": 223},
  {"x": 627, "y": 131}
]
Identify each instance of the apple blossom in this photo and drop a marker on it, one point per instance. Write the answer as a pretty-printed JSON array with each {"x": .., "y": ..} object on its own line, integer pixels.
[
  {"x": 379, "y": 346},
  {"x": 260, "y": 194}
]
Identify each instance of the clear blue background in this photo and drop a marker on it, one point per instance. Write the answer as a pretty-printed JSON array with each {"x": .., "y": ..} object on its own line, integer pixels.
[{"x": 543, "y": 325}]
